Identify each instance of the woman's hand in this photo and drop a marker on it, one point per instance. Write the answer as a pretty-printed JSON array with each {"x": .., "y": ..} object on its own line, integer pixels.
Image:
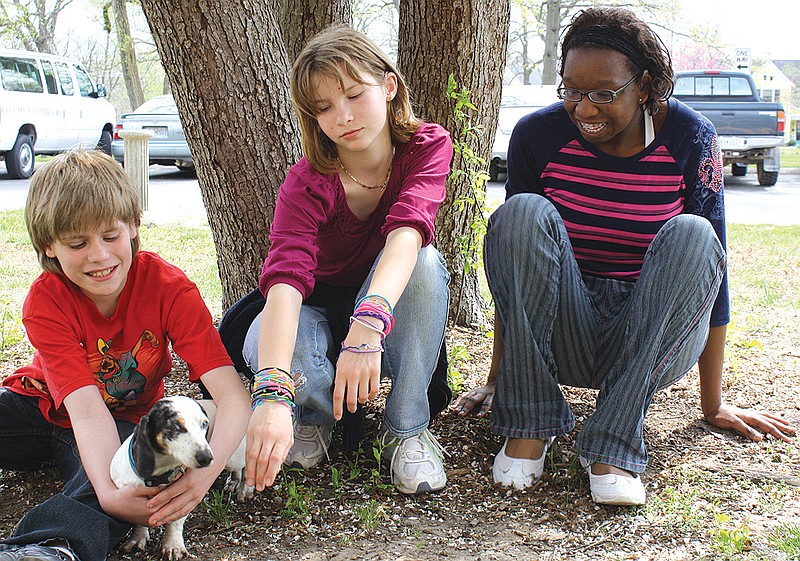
[
  {"x": 478, "y": 398},
  {"x": 269, "y": 438},
  {"x": 751, "y": 423}
]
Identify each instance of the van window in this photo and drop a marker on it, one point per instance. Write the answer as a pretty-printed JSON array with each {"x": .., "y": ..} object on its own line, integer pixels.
[
  {"x": 84, "y": 82},
  {"x": 65, "y": 78},
  {"x": 50, "y": 77},
  {"x": 20, "y": 75}
]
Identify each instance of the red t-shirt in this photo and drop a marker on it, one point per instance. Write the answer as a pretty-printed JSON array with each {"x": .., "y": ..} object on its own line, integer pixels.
[
  {"x": 126, "y": 355},
  {"x": 316, "y": 237}
]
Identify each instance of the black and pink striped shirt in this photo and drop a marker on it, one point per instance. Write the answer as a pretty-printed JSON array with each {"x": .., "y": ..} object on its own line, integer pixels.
[{"x": 613, "y": 207}]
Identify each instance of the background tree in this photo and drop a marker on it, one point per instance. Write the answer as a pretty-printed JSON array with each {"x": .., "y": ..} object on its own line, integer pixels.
[
  {"x": 466, "y": 39},
  {"x": 127, "y": 53},
  {"x": 31, "y": 24}
]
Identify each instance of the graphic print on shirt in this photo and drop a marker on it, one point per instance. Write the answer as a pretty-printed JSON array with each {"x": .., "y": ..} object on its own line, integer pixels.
[{"x": 117, "y": 375}]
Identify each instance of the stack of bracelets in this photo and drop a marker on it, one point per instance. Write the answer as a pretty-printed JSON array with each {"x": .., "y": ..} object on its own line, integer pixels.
[
  {"x": 273, "y": 384},
  {"x": 370, "y": 310}
]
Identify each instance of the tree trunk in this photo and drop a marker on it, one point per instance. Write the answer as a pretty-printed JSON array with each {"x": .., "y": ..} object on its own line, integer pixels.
[
  {"x": 230, "y": 76},
  {"x": 303, "y": 20},
  {"x": 468, "y": 39},
  {"x": 127, "y": 54},
  {"x": 551, "y": 37}
]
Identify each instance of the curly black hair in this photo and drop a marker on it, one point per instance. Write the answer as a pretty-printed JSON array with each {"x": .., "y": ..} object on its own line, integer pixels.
[{"x": 621, "y": 30}]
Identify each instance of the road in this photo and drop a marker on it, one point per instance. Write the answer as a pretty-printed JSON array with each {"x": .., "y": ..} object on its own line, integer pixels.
[{"x": 174, "y": 196}]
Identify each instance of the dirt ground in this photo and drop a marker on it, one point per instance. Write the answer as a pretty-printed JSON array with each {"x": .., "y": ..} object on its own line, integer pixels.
[
  {"x": 707, "y": 490},
  {"x": 711, "y": 494}
]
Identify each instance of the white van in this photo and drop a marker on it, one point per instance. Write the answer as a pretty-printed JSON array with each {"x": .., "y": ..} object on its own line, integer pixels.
[{"x": 48, "y": 104}]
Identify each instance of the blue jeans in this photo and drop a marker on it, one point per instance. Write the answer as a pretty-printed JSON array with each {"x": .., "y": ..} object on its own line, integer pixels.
[
  {"x": 27, "y": 441},
  {"x": 626, "y": 339},
  {"x": 412, "y": 350}
]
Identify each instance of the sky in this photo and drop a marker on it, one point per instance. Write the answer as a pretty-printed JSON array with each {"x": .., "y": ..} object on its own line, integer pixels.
[{"x": 769, "y": 28}]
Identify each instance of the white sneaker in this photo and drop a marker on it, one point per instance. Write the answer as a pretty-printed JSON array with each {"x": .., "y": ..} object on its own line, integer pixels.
[
  {"x": 518, "y": 472},
  {"x": 311, "y": 443},
  {"x": 613, "y": 489},
  {"x": 415, "y": 462}
]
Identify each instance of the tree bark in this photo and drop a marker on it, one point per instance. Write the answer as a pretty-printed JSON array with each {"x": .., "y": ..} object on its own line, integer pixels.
[
  {"x": 468, "y": 39},
  {"x": 230, "y": 77},
  {"x": 303, "y": 20},
  {"x": 127, "y": 54}
]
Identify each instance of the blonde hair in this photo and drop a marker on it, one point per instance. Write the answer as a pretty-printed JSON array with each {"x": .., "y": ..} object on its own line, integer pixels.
[
  {"x": 334, "y": 53},
  {"x": 76, "y": 191}
]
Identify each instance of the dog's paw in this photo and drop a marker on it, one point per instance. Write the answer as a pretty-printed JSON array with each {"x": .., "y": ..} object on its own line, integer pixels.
[
  {"x": 174, "y": 553},
  {"x": 173, "y": 548},
  {"x": 235, "y": 485},
  {"x": 137, "y": 541}
]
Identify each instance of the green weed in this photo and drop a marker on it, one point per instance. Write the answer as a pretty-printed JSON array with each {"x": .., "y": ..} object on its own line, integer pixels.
[
  {"x": 370, "y": 514},
  {"x": 218, "y": 507},
  {"x": 730, "y": 540},
  {"x": 786, "y": 539},
  {"x": 459, "y": 354},
  {"x": 297, "y": 499}
]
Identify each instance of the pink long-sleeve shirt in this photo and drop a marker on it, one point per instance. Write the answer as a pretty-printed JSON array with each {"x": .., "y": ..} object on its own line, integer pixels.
[{"x": 316, "y": 237}]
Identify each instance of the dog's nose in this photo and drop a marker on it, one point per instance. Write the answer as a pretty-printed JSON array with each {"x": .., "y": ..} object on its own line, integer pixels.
[{"x": 204, "y": 458}]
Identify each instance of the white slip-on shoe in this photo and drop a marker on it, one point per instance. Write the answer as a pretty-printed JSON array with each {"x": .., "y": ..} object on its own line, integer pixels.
[
  {"x": 518, "y": 472},
  {"x": 613, "y": 489}
]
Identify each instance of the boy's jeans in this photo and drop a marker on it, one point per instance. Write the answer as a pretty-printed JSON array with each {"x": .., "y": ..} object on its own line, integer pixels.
[
  {"x": 412, "y": 350},
  {"x": 27, "y": 441},
  {"x": 626, "y": 339}
]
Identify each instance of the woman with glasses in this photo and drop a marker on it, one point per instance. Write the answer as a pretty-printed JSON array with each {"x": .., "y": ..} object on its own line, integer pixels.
[{"x": 607, "y": 263}]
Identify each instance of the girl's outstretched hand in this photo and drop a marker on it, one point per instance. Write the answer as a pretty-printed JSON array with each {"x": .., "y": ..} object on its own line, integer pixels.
[
  {"x": 477, "y": 401},
  {"x": 269, "y": 438},
  {"x": 751, "y": 423}
]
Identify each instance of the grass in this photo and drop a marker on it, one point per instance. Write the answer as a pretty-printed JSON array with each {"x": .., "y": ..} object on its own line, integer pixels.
[
  {"x": 790, "y": 156},
  {"x": 190, "y": 248}
]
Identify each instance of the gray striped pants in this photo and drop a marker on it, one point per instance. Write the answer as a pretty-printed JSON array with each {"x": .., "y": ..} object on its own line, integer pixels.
[{"x": 625, "y": 339}]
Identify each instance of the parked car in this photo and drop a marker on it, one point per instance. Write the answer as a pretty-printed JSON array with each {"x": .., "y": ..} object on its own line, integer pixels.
[
  {"x": 750, "y": 131},
  {"x": 516, "y": 102},
  {"x": 48, "y": 104},
  {"x": 168, "y": 145}
]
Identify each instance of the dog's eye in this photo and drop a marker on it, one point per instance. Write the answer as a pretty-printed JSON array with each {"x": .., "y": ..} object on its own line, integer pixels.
[{"x": 204, "y": 425}]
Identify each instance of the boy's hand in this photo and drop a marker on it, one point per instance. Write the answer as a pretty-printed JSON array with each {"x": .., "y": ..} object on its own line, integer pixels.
[
  {"x": 129, "y": 503},
  {"x": 269, "y": 438},
  {"x": 179, "y": 498}
]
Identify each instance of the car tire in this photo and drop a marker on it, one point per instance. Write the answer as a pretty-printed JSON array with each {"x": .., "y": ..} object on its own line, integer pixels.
[
  {"x": 766, "y": 178},
  {"x": 738, "y": 169},
  {"x": 21, "y": 158},
  {"x": 105, "y": 142},
  {"x": 494, "y": 172}
]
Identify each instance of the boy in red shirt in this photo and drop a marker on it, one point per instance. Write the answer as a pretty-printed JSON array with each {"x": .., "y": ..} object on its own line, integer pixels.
[{"x": 101, "y": 318}]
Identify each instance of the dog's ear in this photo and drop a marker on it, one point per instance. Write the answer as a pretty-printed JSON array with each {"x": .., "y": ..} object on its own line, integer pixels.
[{"x": 142, "y": 450}]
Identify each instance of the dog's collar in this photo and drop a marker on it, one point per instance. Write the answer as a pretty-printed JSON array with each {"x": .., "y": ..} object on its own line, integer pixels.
[{"x": 163, "y": 479}]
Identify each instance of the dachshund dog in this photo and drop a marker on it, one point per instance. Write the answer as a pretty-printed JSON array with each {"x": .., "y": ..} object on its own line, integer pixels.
[{"x": 171, "y": 437}]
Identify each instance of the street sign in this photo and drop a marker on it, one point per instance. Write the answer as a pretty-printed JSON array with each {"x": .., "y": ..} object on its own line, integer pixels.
[{"x": 743, "y": 59}]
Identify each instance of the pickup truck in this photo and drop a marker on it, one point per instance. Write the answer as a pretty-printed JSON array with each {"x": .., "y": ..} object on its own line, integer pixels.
[{"x": 750, "y": 131}]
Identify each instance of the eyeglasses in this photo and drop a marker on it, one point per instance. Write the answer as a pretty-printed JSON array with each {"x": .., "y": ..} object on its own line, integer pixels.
[{"x": 595, "y": 96}]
